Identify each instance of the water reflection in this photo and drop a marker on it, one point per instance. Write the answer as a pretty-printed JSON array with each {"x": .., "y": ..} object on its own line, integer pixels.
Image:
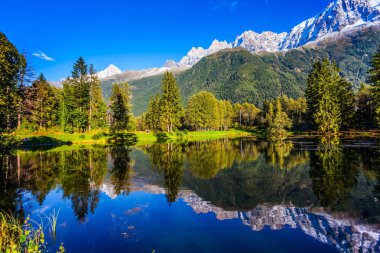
[{"x": 329, "y": 191}]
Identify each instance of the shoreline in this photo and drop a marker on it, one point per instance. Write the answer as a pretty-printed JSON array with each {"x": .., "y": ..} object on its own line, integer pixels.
[
  {"x": 35, "y": 140},
  {"x": 52, "y": 140}
]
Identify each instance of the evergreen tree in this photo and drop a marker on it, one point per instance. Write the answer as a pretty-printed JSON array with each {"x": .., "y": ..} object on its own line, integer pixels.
[
  {"x": 170, "y": 103},
  {"x": 327, "y": 116},
  {"x": 98, "y": 107},
  {"x": 81, "y": 84},
  {"x": 120, "y": 107},
  {"x": 152, "y": 117},
  {"x": 329, "y": 96},
  {"x": 44, "y": 103},
  {"x": 278, "y": 124},
  {"x": 12, "y": 66},
  {"x": 374, "y": 79},
  {"x": 346, "y": 100},
  {"x": 68, "y": 107},
  {"x": 365, "y": 108},
  {"x": 83, "y": 105}
]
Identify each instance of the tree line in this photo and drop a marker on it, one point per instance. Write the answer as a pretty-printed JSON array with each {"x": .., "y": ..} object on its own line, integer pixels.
[{"x": 330, "y": 104}]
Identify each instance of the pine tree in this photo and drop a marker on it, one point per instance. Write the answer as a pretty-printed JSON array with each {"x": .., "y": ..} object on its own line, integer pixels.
[
  {"x": 329, "y": 96},
  {"x": 98, "y": 107},
  {"x": 77, "y": 95},
  {"x": 170, "y": 103},
  {"x": 44, "y": 103},
  {"x": 327, "y": 116},
  {"x": 12, "y": 66},
  {"x": 374, "y": 79},
  {"x": 120, "y": 107},
  {"x": 278, "y": 125},
  {"x": 152, "y": 117},
  {"x": 365, "y": 108},
  {"x": 345, "y": 95}
]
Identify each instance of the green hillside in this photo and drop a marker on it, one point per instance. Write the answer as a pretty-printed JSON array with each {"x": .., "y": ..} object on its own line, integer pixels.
[{"x": 240, "y": 76}]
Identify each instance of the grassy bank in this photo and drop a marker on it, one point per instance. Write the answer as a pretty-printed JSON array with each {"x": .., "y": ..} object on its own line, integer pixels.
[{"x": 59, "y": 139}]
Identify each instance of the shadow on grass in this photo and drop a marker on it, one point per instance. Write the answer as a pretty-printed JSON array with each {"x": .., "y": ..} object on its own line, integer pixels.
[
  {"x": 42, "y": 143},
  {"x": 128, "y": 139},
  {"x": 162, "y": 137}
]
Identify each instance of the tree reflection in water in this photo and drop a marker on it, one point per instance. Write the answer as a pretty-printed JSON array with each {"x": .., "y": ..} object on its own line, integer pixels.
[
  {"x": 122, "y": 169},
  {"x": 231, "y": 174},
  {"x": 333, "y": 173},
  {"x": 168, "y": 159}
]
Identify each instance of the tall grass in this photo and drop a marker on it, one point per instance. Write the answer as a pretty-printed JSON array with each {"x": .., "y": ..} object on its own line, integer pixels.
[
  {"x": 24, "y": 236},
  {"x": 52, "y": 222},
  {"x": 20, "y": 236}
]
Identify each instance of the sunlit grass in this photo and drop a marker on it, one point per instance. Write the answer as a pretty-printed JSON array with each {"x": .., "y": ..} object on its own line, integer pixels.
[
  {"x": 142, "y": 137},
  {"x": 25, "y": 236},
  {"x": 20, "y": 236}
]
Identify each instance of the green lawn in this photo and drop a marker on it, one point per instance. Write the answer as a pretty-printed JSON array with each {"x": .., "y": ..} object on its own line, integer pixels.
[{"x": 59, "y": 139}]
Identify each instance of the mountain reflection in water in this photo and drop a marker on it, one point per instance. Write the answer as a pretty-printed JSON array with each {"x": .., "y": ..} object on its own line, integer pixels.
[{"x": 330, "y": 192}]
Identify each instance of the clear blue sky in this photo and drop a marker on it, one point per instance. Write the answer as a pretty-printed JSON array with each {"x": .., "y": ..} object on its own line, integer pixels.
[{"x": 137, "y": 34}]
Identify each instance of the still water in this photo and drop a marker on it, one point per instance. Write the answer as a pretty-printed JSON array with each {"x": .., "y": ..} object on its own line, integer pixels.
[{"x": 212, "y": 196}]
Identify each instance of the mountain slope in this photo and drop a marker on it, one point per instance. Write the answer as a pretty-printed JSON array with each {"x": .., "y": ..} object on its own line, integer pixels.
[
  {"x": 340, "y": 15},
  {"x": 240, "y": 76}
]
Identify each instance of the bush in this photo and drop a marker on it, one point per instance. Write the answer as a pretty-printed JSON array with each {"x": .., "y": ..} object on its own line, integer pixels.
[{"x": 98, "y": 136}]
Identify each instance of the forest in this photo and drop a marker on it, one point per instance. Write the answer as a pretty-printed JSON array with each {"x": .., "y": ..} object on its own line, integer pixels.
[{"x": 331, "y": 104}]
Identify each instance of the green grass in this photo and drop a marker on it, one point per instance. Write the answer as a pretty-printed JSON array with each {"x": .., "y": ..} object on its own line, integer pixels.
[{"x": 64, "y": 139}]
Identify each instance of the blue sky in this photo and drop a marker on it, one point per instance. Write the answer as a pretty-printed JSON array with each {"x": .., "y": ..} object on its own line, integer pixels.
[{"x": 136, "y": 34}]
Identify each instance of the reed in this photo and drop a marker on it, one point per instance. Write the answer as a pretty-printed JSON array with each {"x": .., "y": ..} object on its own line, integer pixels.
[{"x": 52, "y": 219}]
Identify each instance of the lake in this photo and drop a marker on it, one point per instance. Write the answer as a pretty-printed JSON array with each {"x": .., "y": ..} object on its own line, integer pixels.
[{"x": 213, "y": 196}]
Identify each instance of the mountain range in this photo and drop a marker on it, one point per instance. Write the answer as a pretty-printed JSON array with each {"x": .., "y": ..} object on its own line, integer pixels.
[{"x": 342, "y": 25}]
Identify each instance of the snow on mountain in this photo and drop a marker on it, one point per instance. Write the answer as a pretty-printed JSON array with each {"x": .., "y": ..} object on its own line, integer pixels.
[
  {"x": 337, "y": 16},
  {"x": 196, "y": 54},
  {"x": 254, "y": 42},
  {"x": 111, "y": 70},
  {"x": 340, "y": 15}
]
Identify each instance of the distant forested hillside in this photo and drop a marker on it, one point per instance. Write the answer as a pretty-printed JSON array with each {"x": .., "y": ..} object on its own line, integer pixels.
[{"x": 240, "y": 76}]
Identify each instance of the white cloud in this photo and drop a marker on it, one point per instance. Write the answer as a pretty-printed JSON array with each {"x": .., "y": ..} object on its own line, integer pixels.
[
  {"x": 223, "y": 4},
  {"x": 43, "y": 56}
]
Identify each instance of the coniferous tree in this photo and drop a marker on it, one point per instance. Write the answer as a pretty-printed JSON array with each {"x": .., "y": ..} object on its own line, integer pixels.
[
  {"x": 120, "y": 107},
  {"x": 365, "y": 108},
  {"x": 329, "y": 96},
  {"x": 170, "y": 103},
  {"x": 82, "y": 93},
  {"x": 152, "y": 117},
  {"x": 98, "y": 107},
  {"x": 374, "y": 79},
  {"x": 278, "y": 124},
  {"x": 346, "y": 100},
  {"x": 44, "y": 103},
  {"x": 12, "y": 66},
  {"x": 83, "y": 106}
]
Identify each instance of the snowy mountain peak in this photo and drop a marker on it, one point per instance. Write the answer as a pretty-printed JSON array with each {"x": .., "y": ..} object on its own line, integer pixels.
[
  {"x": 111, "y": 70},
  {"x": 196, "y": 54},
  {"x": 255, "y": 42},
  {"x": 338, "y": 16}
]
